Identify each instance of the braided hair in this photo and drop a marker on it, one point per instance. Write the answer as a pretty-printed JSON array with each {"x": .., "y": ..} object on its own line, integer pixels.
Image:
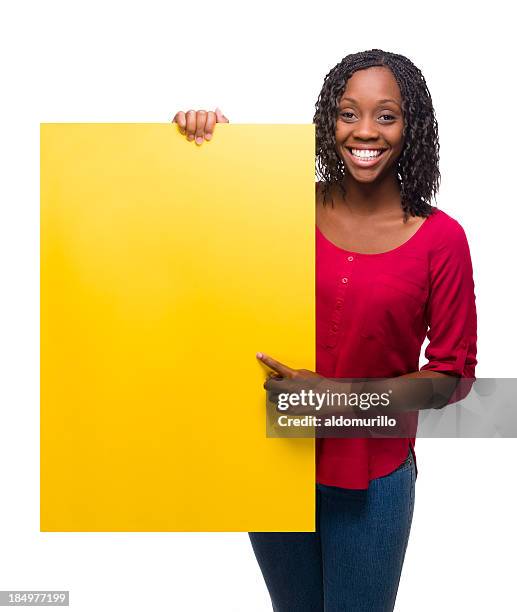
[{"x": 417, "y": 170}]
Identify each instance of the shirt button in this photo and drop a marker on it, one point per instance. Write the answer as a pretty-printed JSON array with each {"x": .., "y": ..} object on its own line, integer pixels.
[
  {"x": 339, "y": 304},
  {"x": 334, "y": 327},
  {"x": 344, "y": 280},
  {"x": 350, "y": 258}
]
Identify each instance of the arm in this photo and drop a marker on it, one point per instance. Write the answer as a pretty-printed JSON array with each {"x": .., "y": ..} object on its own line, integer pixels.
[
  {"x": 451, "y": 317},
  {"x": 452, "y": 321},
  {"x": 432, "y": 390}
]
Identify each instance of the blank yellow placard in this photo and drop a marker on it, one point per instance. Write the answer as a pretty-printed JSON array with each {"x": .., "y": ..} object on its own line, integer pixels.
[{"x": 165, "y": 266}]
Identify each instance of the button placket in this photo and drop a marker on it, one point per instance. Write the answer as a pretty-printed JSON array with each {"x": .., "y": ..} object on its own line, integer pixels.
[{"x": 341, "y": 290}]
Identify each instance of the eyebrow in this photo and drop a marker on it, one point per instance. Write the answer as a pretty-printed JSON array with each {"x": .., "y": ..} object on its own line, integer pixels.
[{"x": 379, "y": 101}]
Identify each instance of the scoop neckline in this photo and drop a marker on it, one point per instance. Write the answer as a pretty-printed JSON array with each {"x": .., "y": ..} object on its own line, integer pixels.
[{"x": 397, "y": 248}]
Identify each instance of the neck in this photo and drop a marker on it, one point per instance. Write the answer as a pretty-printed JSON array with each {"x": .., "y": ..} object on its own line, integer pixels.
[{"x": 365, "y": 199}]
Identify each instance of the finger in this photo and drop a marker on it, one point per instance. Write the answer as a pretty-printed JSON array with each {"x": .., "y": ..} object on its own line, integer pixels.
[
  {"x": 281, "y": 368},
  {"x": 273, "y": 376},
  {"x": 200, "y": 126},
  {"x": 180, "y": 119},
  {"x": 210, "y": 124},
  {"x": 220, "y": 117},
  {"x": 191, "y": 124}
]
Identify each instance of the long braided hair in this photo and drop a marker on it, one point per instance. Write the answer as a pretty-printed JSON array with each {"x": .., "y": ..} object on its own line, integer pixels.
[{"x": 417, "y": 169}]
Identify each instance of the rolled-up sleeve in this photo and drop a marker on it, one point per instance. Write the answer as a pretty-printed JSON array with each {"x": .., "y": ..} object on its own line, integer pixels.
[{"x": 451, "y": 307}]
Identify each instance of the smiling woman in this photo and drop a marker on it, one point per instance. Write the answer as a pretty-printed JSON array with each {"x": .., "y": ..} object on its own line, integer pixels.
[
  {"x": 385, "y": 106},
  {"x": 390, "y": 269}
]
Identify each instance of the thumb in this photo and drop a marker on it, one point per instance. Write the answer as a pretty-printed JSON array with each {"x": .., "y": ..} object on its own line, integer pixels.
[{"x": 220, "y": 118}]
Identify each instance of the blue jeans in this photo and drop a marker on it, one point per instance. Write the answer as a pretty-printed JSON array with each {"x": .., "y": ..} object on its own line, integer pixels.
[{"x": 353, "y": 562}]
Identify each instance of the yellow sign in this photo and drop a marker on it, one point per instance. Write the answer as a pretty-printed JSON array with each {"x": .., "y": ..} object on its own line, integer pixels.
[{"x": 165, "y": 266}]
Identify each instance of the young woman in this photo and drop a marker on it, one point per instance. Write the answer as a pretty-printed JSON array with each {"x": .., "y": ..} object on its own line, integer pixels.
[{"x": 390, "y": 269}]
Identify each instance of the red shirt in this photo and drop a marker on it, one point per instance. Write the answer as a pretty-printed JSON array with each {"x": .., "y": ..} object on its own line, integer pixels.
[{"x": 372, "y": 316}]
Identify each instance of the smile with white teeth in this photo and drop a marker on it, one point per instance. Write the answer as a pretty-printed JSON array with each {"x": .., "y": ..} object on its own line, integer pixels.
[{"x": 366, "y": 153}]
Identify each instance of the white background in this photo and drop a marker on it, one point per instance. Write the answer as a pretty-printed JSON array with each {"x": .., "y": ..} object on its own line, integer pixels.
[{"x": 263, "y": 63}]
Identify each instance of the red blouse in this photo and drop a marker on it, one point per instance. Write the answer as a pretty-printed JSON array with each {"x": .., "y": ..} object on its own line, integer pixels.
[{"x": 372, "y": 316}]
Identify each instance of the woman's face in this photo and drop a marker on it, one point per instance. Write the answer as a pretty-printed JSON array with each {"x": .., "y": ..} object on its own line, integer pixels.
[{"x": 369, "y": 124}]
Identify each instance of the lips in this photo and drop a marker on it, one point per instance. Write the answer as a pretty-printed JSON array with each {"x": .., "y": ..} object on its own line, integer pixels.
[{"x": 365, "y": 162}]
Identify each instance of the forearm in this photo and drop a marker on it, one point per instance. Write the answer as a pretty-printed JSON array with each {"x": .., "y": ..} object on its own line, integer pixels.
[{"x": 430, "y": 390}]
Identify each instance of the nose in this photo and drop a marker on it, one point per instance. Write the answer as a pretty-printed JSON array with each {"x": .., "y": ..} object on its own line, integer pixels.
[{"x": 366, "y": 129}]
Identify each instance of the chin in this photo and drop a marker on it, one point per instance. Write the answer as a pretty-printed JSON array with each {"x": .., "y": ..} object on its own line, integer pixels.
[{"x": 363, "y": 177}]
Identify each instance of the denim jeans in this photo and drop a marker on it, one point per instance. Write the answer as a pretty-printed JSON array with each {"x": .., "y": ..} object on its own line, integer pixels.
[{"x": 353, "y": 562}]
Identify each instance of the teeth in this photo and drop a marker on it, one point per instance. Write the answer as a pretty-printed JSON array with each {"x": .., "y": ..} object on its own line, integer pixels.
[{"x": 366, "y": 153}]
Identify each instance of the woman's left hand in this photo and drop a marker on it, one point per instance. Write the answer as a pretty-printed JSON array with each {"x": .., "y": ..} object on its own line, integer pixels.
[{"x": 284, "y": 379}]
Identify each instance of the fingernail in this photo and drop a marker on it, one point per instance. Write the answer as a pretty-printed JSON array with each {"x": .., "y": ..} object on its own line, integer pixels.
[
  {"x": 208, "y": 136},
  {"x": 191, "y": 136},
  {"x": 199, "y": 140},
  {"x": 260, "y": 355}
]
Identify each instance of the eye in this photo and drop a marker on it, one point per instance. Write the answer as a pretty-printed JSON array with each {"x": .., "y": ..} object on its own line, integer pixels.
[{"x": 348, "y": 115}]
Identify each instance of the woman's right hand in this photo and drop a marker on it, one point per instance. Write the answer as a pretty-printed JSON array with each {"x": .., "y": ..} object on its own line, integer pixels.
[{"x": 199, "y": 125}]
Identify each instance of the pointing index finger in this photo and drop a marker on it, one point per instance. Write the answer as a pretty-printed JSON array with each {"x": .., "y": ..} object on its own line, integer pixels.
[{"x": 282, "y": 369}]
